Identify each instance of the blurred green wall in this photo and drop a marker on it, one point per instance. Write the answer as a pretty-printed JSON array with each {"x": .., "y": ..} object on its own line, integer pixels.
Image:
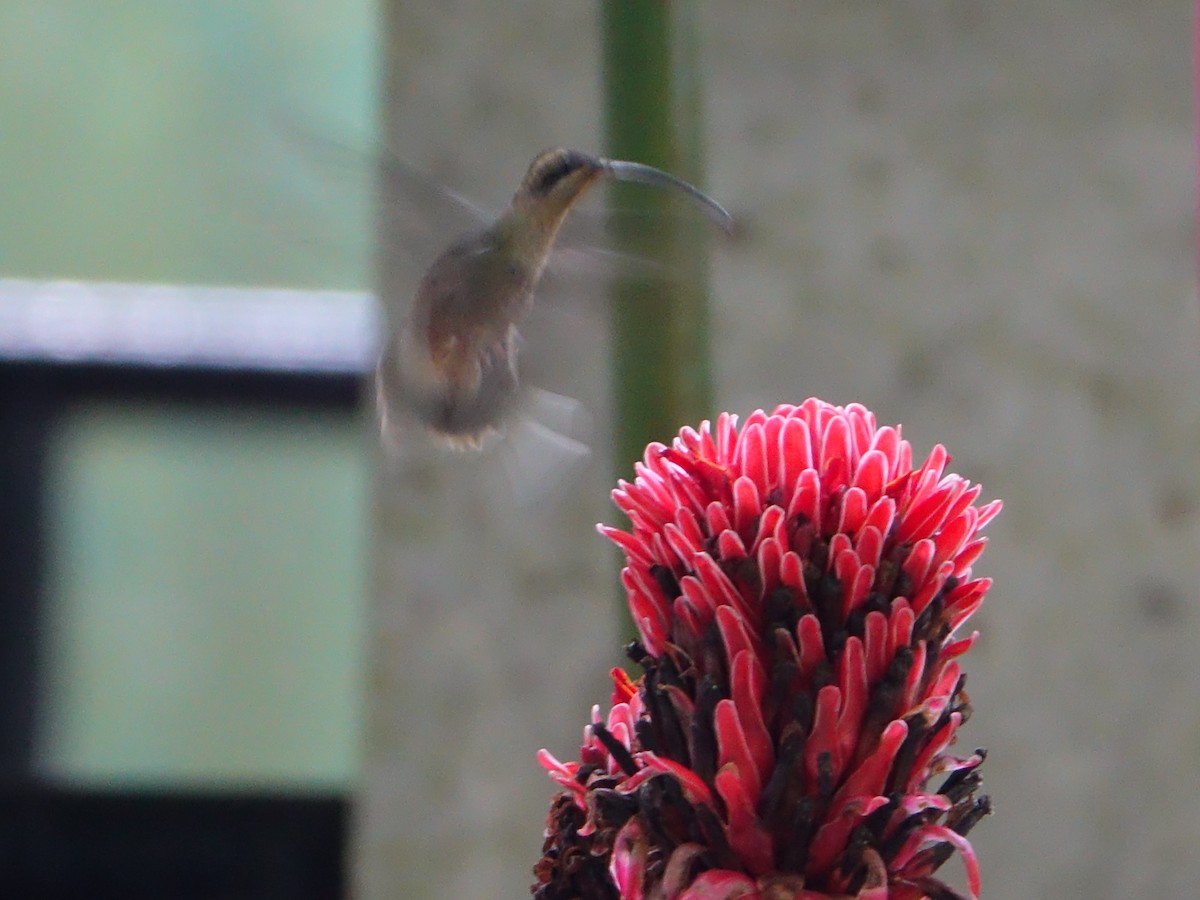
[
  {"x": 149, "y": 141},
  {"x": 207, "y": 567}
]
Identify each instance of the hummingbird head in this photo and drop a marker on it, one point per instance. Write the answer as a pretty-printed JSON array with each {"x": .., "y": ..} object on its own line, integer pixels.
[{"x": 556, "y": 179}]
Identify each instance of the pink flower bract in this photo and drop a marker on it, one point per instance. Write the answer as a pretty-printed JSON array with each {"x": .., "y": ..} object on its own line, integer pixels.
[{"x": 797, "y": 586}]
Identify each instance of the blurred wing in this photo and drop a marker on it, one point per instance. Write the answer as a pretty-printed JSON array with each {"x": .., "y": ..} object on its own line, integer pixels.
[
  {"x": 545, "y": 446},
  {"x": 316, "y": 171},
  {"x": 583, "y": 265},
  {"x": 416, "y": 212}
]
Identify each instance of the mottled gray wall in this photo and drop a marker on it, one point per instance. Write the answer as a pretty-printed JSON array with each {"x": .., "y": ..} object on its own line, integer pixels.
[{"x": 976, "y": 219}]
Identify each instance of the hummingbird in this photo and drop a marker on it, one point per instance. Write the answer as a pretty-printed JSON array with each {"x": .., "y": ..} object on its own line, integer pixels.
[{"x": 451, "y": 363}]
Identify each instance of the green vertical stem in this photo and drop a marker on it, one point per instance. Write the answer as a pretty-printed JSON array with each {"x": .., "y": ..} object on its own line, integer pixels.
[{"x": 660, "y": 327}]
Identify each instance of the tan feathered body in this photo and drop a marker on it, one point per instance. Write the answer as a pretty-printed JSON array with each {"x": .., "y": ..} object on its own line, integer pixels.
[{"x": 452, "y": 363}]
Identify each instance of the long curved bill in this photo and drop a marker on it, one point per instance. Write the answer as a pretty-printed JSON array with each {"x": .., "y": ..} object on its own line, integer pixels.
[{"x": 621, "y": 170}]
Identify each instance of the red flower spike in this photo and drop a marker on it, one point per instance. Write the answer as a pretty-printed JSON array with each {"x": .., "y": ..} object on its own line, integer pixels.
[
  {"x": 734, "y": 633},
  {"x": 690, "y": 620},
  {"x": 839, "y": 545},
  {"x": 652, "y": 487},
  {"x": 911, "y": 866},
  {"x": 730, "y": 546},
  {"x": 770, "y": 563},
  {"x": 734, "y": 750},
  {"x": 794, "y": 450},
  {"x": 911, "y": 804},
  {"x": 852, "y": 681},
  {"x": 854, "y": 510},
  {"x": 623, "y": 687},
  {"x": 987, "y": 512},
  {"x": 943, "y": 687},
  {"x": 969, "y": 554},
  {"x": 717, "y": 516},
  {"x": 833, "y": 483},
  {"x": 752, "y": 452},
  {"x": 871, "y": 474},
  {"x": 796, "y": 585},
  {"x": 647, "y": 615},
  {"x": 870, "y": 778},
  {"x": 822, "y": 762},
  {"x": 858, "y": 587},
  {"x": 683, "y": 544},
  {"x": 897, "y": 452},
  {"x": 958, "y": 648},
  {"x": 628, "y": 866},
  {"x": 631, "y": 546},
  {"x": 869, "y": 546},
  {"x": 726, "y": 436},
  {"x": 746, "y": 506},
  {"x": 951, "y": 538},
  {"x": 878, "y": 653},
  {"x": 811, "y": 645},
  {"x": 563, "y": 773},
  {"x": 691, "y": 588},
  {"x": 771, "y": 526},
  {"x": 881, "y": 516},
  {"x": 901, "y": 624},
  {"x": 832, "y": 837},
  {"x": 747, "y": 836},
  {"x": 966, "y": 601},
  {"x": 806, "y": 498},
  {"x": 930, "y": 471},
  {"x": 648, "y": 591},
  {"x": 916, "y": 673},
  {"x": 836, "y": 444},
  {"x": 965, "y": 502},
  {"x": 693, "y": 495},
  {"x": 926, "y": 516},
  {"x": 687, "y": 520},
  {"x": 934, "y": 747},
  {"x": 772, "y": 431},
  {"x": 919, "y": 562},
  {"x": 791, "y": 573},
  {"x": 932, "y": 587},
  {"x": 693, "y": 786},
  {"x": 748, "y": 686}
]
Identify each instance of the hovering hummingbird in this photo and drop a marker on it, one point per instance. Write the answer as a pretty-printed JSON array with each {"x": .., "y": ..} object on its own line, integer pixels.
[{"x": 452, "y": 362}]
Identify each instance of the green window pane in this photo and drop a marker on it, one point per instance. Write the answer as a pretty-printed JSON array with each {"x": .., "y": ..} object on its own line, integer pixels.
[{"x": 208, "y": 572}]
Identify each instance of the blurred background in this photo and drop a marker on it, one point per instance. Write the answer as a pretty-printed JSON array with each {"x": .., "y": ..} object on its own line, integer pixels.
[{"x": 246, "y": 655}]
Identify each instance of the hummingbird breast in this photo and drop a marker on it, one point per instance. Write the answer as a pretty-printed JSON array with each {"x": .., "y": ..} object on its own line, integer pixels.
[
  {"x": 453, "y": 361},
  {"x": 470, "y": 300}
]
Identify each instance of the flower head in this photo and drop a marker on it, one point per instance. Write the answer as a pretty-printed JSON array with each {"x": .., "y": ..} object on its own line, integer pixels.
[{"x": 797, "y": 587}]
